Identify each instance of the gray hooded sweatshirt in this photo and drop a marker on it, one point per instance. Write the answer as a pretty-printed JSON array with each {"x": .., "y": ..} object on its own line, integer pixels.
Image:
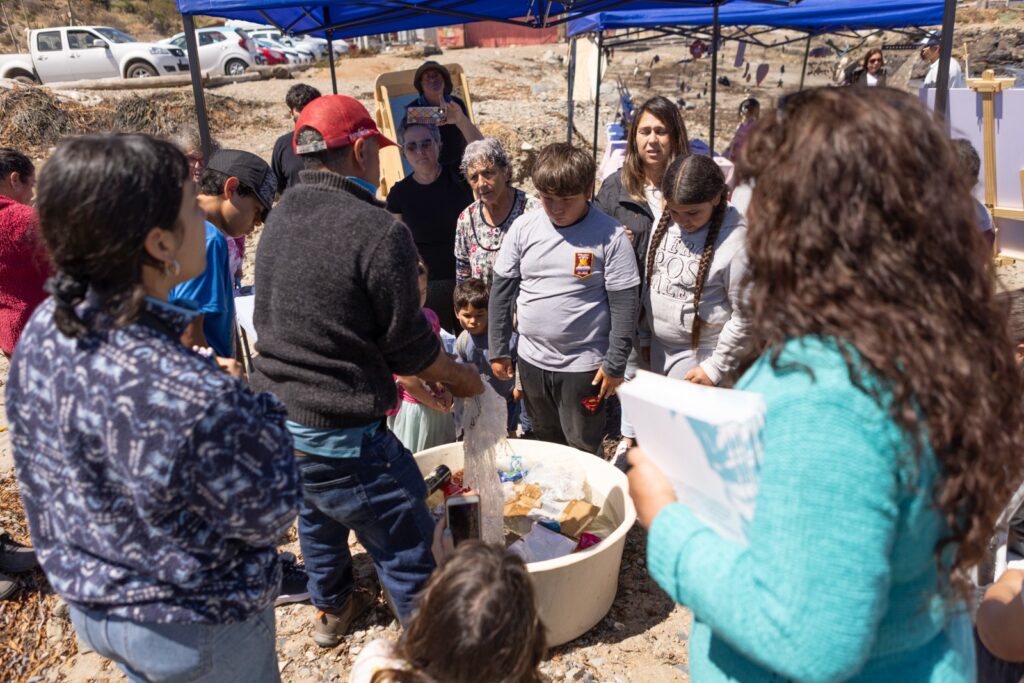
[{"x": 668, "y": 300}]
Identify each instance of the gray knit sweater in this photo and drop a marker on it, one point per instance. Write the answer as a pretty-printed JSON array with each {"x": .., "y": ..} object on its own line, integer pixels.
[{"x": 337, "y": 305}]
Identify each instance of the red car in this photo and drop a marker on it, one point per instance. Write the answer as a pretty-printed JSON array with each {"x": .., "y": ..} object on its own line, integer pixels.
[{"x": 271, "y": 57}]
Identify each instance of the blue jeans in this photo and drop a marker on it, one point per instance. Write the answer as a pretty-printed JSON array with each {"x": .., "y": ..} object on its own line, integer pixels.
[
  {"x": 382, "y": 497},
  {"x": 241, "y": 652}
]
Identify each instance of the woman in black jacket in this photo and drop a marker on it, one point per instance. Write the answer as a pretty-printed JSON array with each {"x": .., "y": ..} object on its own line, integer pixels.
[{"x": 657, "y": 135}]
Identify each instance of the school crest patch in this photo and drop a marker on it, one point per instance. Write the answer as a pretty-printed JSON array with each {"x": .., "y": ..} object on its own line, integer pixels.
[{"x": 584, "y": 264}]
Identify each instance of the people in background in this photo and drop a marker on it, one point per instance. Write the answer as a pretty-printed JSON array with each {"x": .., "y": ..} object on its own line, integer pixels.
[
  {"x": 286, "y": 164},
  {"x": 483, "y": 224},
  {"x": 970, "y": 166},
  {"x": 750, "y": 111},
  {"x": 190, "y": 142},
  {"x": 632, "y": 196},
  {"x": 429, "y": 201},
  {"x": 930, "y": 52},
  {"x": 236, "y": 193},
  {"x": 870, "y": 72},
  {"x": 571, "y": 274},
  {"x": 423, "y": 417},
  {"x": 433, "y": 82},
  {"x": 24, "y": 265},
  {"x": 693, "y": 325},
  {"x": 885, "y": 413},
  {"x": 337, "y": 319},
  {"x": 155, "y": 485},
  {"x": 472, "y": 299},
  {"x": 477, "y": 621}
]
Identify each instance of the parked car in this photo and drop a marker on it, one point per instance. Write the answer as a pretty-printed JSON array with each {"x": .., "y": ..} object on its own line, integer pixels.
[
  {"x": 295, "y": 55},
  {"x": 270, "y": 56},
  {"x": 70, "y": 53},
  {"x": 221, "y": 49},
  {"x": 316, "y": 45}
]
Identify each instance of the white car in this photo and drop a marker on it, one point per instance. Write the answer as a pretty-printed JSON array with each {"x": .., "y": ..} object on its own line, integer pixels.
[
  {"x": 221, "y": 49},
  {"x": 295, "y": 55},
  {"x": 71, "y": 53}
]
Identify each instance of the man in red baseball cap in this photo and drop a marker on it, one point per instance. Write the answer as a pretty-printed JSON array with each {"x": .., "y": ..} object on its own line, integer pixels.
[{"x": 338, "y": 315}]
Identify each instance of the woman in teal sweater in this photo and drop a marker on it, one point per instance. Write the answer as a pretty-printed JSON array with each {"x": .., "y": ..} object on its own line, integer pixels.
[{"x": 893, "y": 421}]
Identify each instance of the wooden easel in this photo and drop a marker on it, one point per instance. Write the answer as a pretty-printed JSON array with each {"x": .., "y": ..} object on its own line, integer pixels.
[{"x": 988, "y": 86}]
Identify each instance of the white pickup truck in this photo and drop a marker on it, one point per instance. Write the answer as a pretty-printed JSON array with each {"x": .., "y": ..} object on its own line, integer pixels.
[{"x": 73, "y": 53}]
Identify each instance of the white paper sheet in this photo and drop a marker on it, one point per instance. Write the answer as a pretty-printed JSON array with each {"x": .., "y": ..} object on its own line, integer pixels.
[{"x": 706, "y": 440}]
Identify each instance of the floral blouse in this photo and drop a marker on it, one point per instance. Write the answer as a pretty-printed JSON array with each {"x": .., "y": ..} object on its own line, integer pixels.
[{"x": 477, "y": 242}]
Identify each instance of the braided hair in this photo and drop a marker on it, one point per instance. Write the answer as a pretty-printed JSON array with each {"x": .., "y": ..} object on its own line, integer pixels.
[{"x": 693, "y": 179}]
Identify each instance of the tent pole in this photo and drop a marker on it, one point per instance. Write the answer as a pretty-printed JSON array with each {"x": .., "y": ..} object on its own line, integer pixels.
[
  {"x": 572, "y": 78},
  {"x": 597, "y": 93},
  {"x": 330, "y": 49},
  {"x": 198, "y": 96},
  {"x": 807, "y": 53},
  {"x": 716, "y": 35},
  {"x": 945, "y": 55}
]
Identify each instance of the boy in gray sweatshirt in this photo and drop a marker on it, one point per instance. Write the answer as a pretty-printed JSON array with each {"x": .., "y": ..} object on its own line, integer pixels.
[{"x": 570, "y": 271}]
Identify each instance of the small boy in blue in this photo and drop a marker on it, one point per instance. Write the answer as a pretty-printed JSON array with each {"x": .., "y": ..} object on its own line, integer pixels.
[
  {"x": 471, "y": 300},
  {"x": 236, "y": 192}
]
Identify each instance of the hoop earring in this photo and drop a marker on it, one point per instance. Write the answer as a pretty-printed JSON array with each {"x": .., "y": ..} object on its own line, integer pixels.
[{"x": 172, "y": 269}]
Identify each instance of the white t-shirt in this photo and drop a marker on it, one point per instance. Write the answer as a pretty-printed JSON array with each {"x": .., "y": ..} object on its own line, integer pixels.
[
  {"x": 654, "y": 198},
  {"x": 871, "y": 81},
  {"x": 956, "y": 76},
  {"x": 565, "y": 275}
]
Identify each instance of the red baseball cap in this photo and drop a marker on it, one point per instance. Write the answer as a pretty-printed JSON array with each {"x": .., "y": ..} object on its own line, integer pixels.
[{"x": 340, "y": 119}]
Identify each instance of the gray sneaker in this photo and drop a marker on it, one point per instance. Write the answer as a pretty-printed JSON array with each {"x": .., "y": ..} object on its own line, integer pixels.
[
  {"x": 8, "y": 586},
  {"x": 331, "y": 625},
  {"x": 15, "y": 557}
]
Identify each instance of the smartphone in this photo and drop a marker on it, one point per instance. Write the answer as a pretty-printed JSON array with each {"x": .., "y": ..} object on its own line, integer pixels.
[
  {"x": 434, "y": 115},
  {"x": 462, "y": 514}
]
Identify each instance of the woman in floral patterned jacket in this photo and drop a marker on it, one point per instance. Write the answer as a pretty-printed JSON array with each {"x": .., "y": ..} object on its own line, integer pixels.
[{"x": 483, "y": 224}]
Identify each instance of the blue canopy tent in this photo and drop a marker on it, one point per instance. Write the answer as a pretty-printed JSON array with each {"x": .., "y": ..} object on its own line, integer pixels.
[
  {"x": 813, "y": 17},
  {"x": 351, "y": 18}
]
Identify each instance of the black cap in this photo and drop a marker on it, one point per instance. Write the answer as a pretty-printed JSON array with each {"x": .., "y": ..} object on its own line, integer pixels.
[{"x": 250, "y": 170}]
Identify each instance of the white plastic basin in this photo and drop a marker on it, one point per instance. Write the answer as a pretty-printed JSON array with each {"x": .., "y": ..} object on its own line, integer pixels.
[{"x": 574, "y": 592}]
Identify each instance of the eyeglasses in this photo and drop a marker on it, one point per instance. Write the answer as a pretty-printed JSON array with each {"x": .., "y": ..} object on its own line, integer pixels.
[
  {"x": 424, "y": 146},
  {"x": 876, "y": 60}
]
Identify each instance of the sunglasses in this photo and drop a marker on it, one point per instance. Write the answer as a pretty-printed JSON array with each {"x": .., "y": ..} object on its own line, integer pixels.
[
  {"x": 876, "y": 60},
  {"x": 424, "y": 146}
]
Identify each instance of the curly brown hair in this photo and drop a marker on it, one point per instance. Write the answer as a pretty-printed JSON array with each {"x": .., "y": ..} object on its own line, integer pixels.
[{"x": 862, "y": 228}]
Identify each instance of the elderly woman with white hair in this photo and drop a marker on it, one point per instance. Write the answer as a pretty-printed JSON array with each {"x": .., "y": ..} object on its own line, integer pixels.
[
  {"x": 429, "y": 201},
  {"x": 483, "y": 224}
]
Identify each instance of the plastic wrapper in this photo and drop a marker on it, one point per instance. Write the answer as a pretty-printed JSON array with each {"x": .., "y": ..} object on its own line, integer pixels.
[
  {"x": 542, "y": 544},
  {"x": 587, "y": 540},
  {"x": 484, "y": 421}
]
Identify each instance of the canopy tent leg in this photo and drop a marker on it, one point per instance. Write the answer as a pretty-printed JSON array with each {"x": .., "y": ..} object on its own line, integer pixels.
[
  {"x": 597, "y": 93},
  {"x": 330, "y": 49},
  {"x": 192, "y": 48},
  {"x": 803, "y": 69},
  {"x": 570, "y": 105},
  {"x": 716, "y": 36},
  {"x": 945, "y": 54}
]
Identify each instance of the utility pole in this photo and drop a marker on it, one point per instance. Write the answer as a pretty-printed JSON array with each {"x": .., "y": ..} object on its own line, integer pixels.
[{"x": 71, "y": 15}]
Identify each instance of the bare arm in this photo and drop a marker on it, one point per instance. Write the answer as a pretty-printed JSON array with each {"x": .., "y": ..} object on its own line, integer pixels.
[
  {"x": 1001, "y": 617},
  {"x": 462, "y": 380},
  {"x": 193, "y": 334}
]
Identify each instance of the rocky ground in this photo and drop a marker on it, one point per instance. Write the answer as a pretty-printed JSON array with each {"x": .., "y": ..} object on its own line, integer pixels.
[{"x": 519, "y": 97}]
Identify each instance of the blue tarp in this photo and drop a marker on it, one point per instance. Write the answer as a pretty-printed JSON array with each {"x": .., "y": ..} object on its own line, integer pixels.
[
  {"x": 385, "y": 16},
  {"x": 814, "y": 16}
]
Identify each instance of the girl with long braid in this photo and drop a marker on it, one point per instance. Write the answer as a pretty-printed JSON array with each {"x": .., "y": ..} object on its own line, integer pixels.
[{"x": 693, "y": 324}]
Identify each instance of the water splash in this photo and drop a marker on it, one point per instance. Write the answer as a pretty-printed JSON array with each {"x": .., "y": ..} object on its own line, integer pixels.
[{"x": 484, "y": 421}]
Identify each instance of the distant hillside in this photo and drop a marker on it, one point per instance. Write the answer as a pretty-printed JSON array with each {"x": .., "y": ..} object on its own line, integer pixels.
[{"x": 144, "y": 19}]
